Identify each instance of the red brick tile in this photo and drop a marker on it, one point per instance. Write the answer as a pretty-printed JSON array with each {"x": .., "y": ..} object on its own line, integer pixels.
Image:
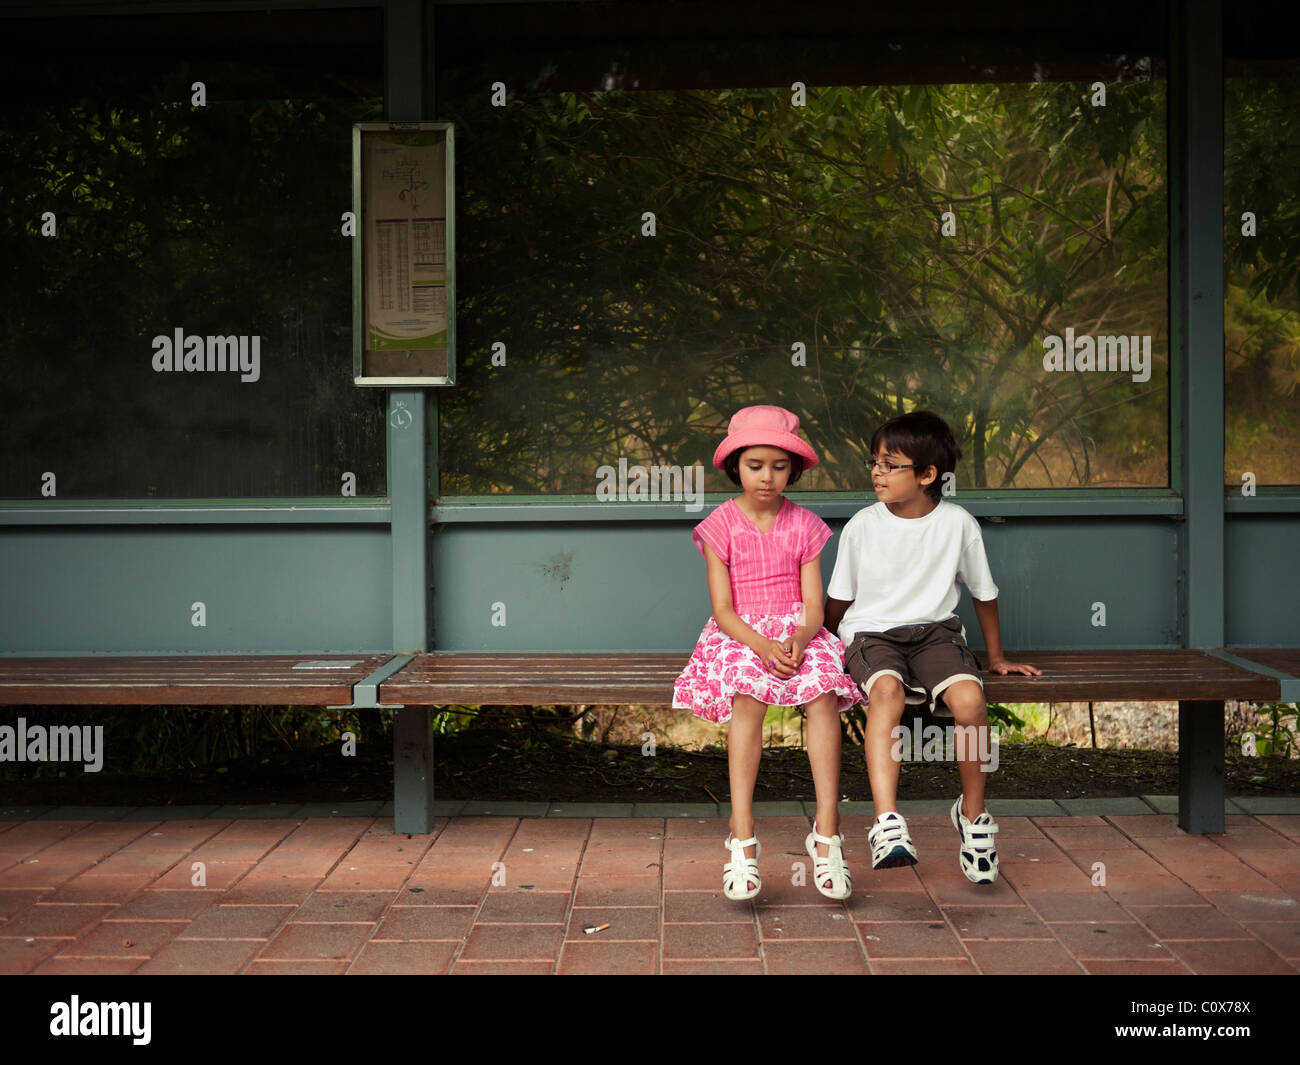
[
  {"x": 426, "y": 922},
  {"x": 1151, "y": 891},
  {"x": 19, "y": 956},
  {"x": 1287, "y": 824},
  {"x": 513, "y": 942},
  {"x": 443, "y": 891},
  {"x": 212, "y": 956},
  {"x": 698, "y": 828},
  {"x": 1126, "y": 940},
  {"x": 1188, "y": 922},
  {"x": 923, "y": 967},
  {"x": 829, "y": 921},
  {"x": 298, "y": 863},
  {"x": 707, "y": 967},
  {"x": 342, "y": 907},
  {"x": 296, "y": 967},
  {"x": 996, "y": 922},
  {"x": 629, "y": 864},
  {"x": 631, "y": 828},
  {"x": 116, "y": 890},
  {"x": 892, "y": 906},
  {"x": 1139, "y": 826},
  {"x": 705, "y": 907},
  {"x": 1128, "y": 967},
  {"x": 1082, "y": 841},
  {"x": 686, "y": 875},
  {"x": 154, "y": 904},
  {"x": 1043, "y": 876},
  {"x": 524, "y": 907},
  {"x": 617, "y": 891},
  {"x": 46, "y": 921},
  {"x": 624, "y": 923},
  {"x": 813, "y": 957},
  {"x": 710, "y": 941},
  {"x": 502, "y": 968},
  {"x": 60, "y": 966},
  {"x": 390, "y": 851},
  {"x": 255, "y": 890},
  {"x": 537, "y": 876},
  {"x": 317, "y": 942},
  {"x": 124, "y": 939},
  {"x": 608, "y": 958},
  {"x": 367, "y": 878},
  {"x": 909, "y": 939},
  {"x": 547, "y": 851},
  {"x": 1030, "y": 851},
  {"x": 1032, "y": 956},
  {"x": 1090, "y": 905},
  {"x": 950, "y": 887},
  {"x": 11, "y": 902},
  {"x": 531, "y": 828},
  {"x": 237, "y": 922},
  {"x": 404, "y": 958},
  {"x": 218, "y": 874},
  {"x": 1282, "y": 936},
  {"x": 1229, "y": 956}
]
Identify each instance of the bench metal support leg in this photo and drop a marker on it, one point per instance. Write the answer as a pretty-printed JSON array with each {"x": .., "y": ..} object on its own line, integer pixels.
[
  {"x": 1200, "y": 766},
  {"x": 413, "y": 770}
]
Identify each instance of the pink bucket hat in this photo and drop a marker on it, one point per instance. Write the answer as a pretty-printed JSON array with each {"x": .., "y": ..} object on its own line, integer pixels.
[{"x": 771, "y": 426}]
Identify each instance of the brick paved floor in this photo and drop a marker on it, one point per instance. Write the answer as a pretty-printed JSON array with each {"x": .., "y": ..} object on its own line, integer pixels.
[{"x": 225, "y": 894}]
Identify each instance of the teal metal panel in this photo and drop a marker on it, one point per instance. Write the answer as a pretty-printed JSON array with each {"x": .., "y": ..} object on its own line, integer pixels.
[
  {"x": 641, "y": 586},
  {"x": 1262, "y": 589},
  {"x": 1196, "y": 303},
  {"x": 131, "y": 590}
]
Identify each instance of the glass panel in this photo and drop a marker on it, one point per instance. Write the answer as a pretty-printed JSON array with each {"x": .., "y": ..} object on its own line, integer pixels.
[
  {"x": 140, "y": 217},
  {"x": 1261, "y": 247},
  {"x": 650, "y": 239}
]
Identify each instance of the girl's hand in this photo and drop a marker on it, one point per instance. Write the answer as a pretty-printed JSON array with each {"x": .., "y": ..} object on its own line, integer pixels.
[
  {"x": 794, "y": 648},
  {"x": 776, "y": 658}
]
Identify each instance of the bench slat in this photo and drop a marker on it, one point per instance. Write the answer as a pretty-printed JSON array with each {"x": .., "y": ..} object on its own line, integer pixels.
[
  {"x": 519, "y": 678},
  {"x": 183, "y": 680}
]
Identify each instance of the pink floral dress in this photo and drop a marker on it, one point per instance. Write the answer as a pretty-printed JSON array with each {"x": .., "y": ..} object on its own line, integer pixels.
[{"x": 766, "y": 593}]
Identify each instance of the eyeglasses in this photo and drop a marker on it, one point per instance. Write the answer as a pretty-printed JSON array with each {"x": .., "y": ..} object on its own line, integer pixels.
[{"x": 888, "y": 467}]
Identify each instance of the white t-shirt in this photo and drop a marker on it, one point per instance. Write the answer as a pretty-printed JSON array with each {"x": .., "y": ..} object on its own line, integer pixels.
[{"x": 904, "y": 571}]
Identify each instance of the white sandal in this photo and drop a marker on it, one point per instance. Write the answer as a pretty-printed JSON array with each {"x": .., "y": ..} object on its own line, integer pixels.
[
  {"x": 741, "y": 871},
  {"x": 831, "y": 867}
]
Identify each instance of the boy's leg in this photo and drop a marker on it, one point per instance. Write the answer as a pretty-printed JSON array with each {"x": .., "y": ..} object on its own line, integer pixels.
[
  {"x": 884, "y": 713},
  {"x": 965, "y": 699},
  {"x": 823, "y": 742},
  {"x": 744, "y": 749}
]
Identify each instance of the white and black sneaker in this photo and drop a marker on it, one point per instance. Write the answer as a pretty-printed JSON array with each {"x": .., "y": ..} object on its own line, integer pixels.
[
  {"x": 891, "y": 846},
  {"x": 978, "y": 854}
]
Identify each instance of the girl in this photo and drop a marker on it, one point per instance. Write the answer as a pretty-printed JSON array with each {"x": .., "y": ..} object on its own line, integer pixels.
[{"x": 765, "y": 643}]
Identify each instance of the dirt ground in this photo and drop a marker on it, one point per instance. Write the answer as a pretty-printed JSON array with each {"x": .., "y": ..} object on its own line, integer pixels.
[{"x": 511, "y": 764}]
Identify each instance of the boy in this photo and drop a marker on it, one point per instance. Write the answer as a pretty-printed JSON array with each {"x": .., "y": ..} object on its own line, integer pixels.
[{"x": 891, "y": 598}]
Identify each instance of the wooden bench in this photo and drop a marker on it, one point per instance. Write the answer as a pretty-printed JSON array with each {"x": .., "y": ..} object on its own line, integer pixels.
[{"x": 1201, "y": 681}]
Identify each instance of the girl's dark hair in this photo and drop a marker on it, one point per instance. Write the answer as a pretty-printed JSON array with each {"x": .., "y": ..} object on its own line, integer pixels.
[
  {"x": 731, "y": 465},
  {"x": 926, "y": 440}
]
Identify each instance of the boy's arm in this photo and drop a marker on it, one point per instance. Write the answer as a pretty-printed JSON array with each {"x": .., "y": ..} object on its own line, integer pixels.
[
  {"x": 987, "y": 612},
  {"x": 835, "y": 611}
]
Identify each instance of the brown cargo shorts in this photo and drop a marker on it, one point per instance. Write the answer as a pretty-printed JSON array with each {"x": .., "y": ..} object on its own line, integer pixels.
[{"x": 926, "y": 659}]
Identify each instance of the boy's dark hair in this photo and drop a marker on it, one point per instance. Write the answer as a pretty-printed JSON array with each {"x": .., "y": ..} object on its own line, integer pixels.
[
  {"x": 926, "y": 440},
  {"x": 731, "y": 465}
]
